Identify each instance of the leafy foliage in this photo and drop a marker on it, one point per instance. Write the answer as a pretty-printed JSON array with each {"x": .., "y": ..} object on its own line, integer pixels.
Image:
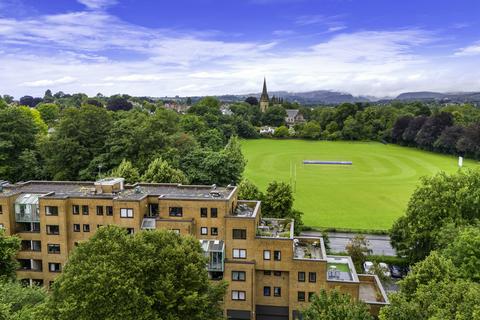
[
  {"x": 18, "y": 302},
  {"x": 127, "y": 171},
  {"x": 9, "y": 246},
  {"x": 159, "y": 171},
  {"x": 150, "y": 275},
  {"x": 358, "y": 249}
]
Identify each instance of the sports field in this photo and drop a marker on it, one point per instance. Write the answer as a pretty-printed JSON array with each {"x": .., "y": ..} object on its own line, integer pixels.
[{"x": 370, "y": 194}]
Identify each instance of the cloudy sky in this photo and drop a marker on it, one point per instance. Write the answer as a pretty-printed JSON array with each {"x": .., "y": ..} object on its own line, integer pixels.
[{"x": 200, "y": 47}]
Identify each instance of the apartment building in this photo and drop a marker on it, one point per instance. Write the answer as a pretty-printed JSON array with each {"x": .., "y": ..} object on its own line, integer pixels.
[{"x": 271, "y": 273}]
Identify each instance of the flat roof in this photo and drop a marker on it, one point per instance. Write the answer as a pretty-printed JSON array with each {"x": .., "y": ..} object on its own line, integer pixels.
[{"x": 86, "y": 189}]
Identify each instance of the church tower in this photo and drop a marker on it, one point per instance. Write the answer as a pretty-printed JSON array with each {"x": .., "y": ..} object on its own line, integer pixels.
[{"x": 264, "y": 100}]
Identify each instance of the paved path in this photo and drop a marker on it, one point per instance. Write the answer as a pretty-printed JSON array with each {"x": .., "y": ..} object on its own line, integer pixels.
[{"x": 379, "y": 244}]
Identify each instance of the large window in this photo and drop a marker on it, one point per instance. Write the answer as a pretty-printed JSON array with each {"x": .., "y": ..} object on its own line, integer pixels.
[
  {"x": 239, "y": 253},
  {"x": 54, "y": 267},
  {"x": 53, "y": 248},
  {"x": 266, "y": 254},
  {"x": 109, "y": 210},
  {"x": 51, "y": 211},
  {"x": 277, "y": 255},
  {"x": 203, "y": 231},
  {"x": 238, "y": 295},
  {"x": 203, "y": 212},
  {"x": 238, "y": 275},
  {"x": 99, "y": 210},
  {"x": 301, "y": 276},
  {"x": 176, "y": 212},
  {"x": 312, "y": 277},
  {"x": 277, "y": 291},
  {"x": 76, "y": 209},
  {"x": 126, "y": 213},
  {"x": 53, "y": 229},
  {"x": 85, "y": 210},
  {"x": 213, "y": 212},
  {"x": 239, "y": 234},
  {"x": 267, "y": 291}
]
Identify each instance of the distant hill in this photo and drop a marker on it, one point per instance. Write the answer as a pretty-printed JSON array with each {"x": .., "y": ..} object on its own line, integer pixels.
[{"x": 437, "y": 96}]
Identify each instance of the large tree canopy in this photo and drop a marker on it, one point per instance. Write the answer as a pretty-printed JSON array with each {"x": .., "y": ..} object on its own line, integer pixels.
[
  {"x": 9, "y": 245},
  {"x": 149, "y": 275}
]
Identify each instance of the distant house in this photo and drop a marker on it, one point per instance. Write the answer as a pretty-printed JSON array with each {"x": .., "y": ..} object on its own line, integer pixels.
[
  {"x": 267, "y": 130},
  {"x": 293, "y": 117},
  {"x": 180, "y": 108},
  {"x": 225, "y": 109}
]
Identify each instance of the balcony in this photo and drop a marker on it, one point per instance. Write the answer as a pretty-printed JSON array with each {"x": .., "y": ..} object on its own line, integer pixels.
[
  {"x": 31, "y": 245},
  {"x": 26, "y": 208},
  {"x": 275, "y": 228},
  {"x": 30, "y": 265},
  {"x": 246, "y": 209},
  {"x": 214, "y": 250},
  {"x": 306, "y": 248}
]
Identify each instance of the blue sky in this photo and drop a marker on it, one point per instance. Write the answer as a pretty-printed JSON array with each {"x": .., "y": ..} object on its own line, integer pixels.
[{"x": 200, "y": 47}]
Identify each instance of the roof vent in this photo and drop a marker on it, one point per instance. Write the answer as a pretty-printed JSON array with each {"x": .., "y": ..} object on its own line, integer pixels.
[
  {"x": 138, "y": 189},
  {"x": 215, "y": 194}
]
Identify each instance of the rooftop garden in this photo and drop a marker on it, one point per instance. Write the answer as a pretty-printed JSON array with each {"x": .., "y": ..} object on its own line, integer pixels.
[{"x": 275, "y": 228}]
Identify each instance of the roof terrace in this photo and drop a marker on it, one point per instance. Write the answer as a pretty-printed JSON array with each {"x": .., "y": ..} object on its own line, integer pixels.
[
  {"x": 246, "y": 209},
  {"x": 341, "y": 268},
  {"x": 275, "y": 228},
  {"x": 308, "y": 248}
]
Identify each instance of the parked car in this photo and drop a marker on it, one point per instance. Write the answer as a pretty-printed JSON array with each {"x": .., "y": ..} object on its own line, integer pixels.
[
  {"x": 397, "y": 272},
  {"x": 367, "y": 266},
  {"x": 384, "y": 267}
]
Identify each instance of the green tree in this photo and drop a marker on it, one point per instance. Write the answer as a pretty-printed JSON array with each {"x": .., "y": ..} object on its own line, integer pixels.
[
  {"x": 358, "y": 249},
  {"x": 438, "y": 201},
  {"x": 248, "y": 191},
  {"x": 334, "y": 305},
  {"x": 126, "y": 170},
  {"x": 159, "y": 171},
  {"x": 18, "y": 302},
  {"x": 50, "y": 112},
  {"x": 464, "y": 252},
  {"x": 281, "y": 132},
  {"x": 18, "y": 133},
  {"x": 274, "y": 116},
  {"x": 311, "y": 130},
  {"x": 150, "y": 275},
  {"x": 211, "y": 139},
  {"x": 9, "y": 246}
]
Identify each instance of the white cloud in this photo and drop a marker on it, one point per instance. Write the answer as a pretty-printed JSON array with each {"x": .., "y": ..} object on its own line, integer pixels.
[
  {"x": 471, "y": 50},
  {"x": 49, "y": 82},
  {"x": 97, "y": 4}
]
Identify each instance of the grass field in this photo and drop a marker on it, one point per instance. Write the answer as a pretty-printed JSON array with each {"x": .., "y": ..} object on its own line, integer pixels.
[{"x": 370, "y": 194}]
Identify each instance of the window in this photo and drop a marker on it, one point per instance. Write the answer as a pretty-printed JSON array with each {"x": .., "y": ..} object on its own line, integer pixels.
[
  {"x": 99, "y": 210},
  {"x": 109, "y": 210},
  {"x": 301, "y": 277},
  {"x": 54, "y": 267},
  {"x": 203, "y": 230},
  {"x": 76, "y": 209},
  {"x": 312, "y": 277},
  {"x": 130, "y": 230},
  {"x": 267, "y": 272},
  {"x": 239, "y": 234},
  {"x": 277, "y": 291},
  {"x": 238, "y": 295},
  {"x": 85, "y": 210},
  {"x": 86, "y": 228},
  {"x": 266, "y": 291},
  {"x": 238, "y": 275},
  {"x": 99, "y": 226},
  {"x": 277, "y": 255},
  {"x": 1, "y": 209},
  {"x": 239, "y": 253},
  {"x": 51, "y": 211},
  {"x": 301, "y": 295},
  {"x": 213, "y": 212},
  {"x": 203, "y": 212},
  {"x": 214, "y": 231},
  {"x": 266, "y": 254},
  {"x": 76, "y": 227},
  {"x": 176, "y": 212},
  {"x": 310, "y": 296},
  {"x": 53, "y": 229},
  {"x": 53, "y": 248},
  {"x": 277, "y": 273},
  {"x": 126, "y": 213}
]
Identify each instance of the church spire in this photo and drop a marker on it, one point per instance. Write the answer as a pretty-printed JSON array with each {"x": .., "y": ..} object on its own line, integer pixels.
[{"x": 264, "y": 100}]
